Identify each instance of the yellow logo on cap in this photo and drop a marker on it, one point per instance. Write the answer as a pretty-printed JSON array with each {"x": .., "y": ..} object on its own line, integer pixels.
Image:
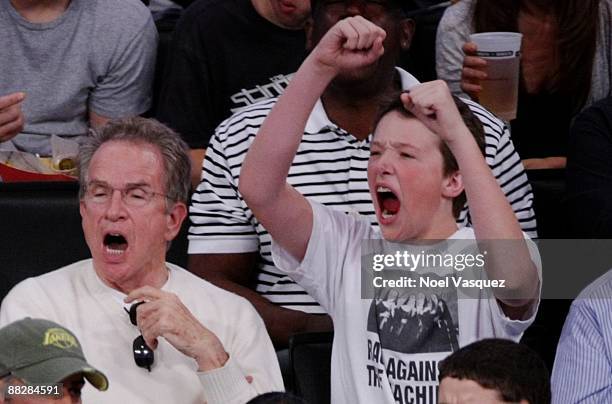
[{"x": 60, "y": 338}]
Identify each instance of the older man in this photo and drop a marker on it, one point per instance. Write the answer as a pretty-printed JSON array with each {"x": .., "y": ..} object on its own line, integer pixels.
[{"x": 187, "y": 341}]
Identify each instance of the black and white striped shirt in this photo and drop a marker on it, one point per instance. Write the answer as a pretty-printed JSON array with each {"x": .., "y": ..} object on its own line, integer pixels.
[{"x": 330, "y": 167}]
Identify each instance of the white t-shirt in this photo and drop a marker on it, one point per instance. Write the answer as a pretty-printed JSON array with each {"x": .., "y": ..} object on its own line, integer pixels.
[
  {"x": 76, "y": 298},
  {"x": 373, "y": 362}
]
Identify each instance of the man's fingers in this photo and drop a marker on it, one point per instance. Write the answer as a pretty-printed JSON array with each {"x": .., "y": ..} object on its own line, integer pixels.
[
  {"x": 469, "y": 48},
  {"x": 360, "y": 34},
  {"x": 11, "y": 99},
  {"x": 407, "y": 101},
  {"x": 150, "y": 337},
  {"x": 350, "y": 34},
  {"x": 11, "y": 123},
  {"x": 10, "y": 114},
  {"x": 470, "y": 74},
  {"x": 9, "y": 130},
  {"x": 471, "y": 89},
  {"x": 474, "y": 62},
  {"x": 365, "y": 33}
]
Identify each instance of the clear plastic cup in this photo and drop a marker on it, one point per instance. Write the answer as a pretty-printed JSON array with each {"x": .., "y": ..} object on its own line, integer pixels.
[{"x": 502, "y": 51}]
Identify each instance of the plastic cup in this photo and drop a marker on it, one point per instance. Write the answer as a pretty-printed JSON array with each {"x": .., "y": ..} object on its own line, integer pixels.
[{"x": 502, "y": 51}]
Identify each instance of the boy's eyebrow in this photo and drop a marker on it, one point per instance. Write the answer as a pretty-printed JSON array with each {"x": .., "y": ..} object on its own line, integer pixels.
[
  {"x": 396, "y": 145},
  {"x": 399, "y": 145}
]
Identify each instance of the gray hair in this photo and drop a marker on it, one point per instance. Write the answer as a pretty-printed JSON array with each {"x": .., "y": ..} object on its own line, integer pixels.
[{"x": 136, "y": 130}]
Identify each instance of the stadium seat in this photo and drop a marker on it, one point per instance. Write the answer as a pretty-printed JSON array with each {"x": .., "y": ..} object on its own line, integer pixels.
[{"x": 310, "y": 362}]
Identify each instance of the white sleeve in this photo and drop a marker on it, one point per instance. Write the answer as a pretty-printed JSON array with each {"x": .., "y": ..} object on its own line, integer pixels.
[
  {"x": 220, "y": 220},
  {"x": 251, "y": 354},
  {"x": 514, "y": 329},
  {"x": 335, "y": 235},
  {"x": 226, "y": 384}
]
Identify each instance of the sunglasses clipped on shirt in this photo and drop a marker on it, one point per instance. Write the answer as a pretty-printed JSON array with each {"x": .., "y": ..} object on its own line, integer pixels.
[{"x": 143, "y": 354}]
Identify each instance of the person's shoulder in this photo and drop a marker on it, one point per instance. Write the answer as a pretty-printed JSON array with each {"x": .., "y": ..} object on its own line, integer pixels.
[
  {"x": 600, "y": 288},
  {"x": 357, "y": 225},
  {"x": 493, "y": 126},
  {"x": 206, "y": 291},
  {"x": 50, "y": 281},
  {"x": 66, "y": 272},
  {"x": 458, "y": 13},
  {"x": 119, "y": 15},
  {"x": 594, "y": 303},
  {"x": 244, "y": 123},
  {"x": 597, "y": 118},
  {"x": 206, "y": 11},
  {"x": 603, "y": 105}
]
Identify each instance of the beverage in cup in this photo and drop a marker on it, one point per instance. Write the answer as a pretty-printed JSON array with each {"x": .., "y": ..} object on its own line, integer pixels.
[{"x": 502, "y": 51}]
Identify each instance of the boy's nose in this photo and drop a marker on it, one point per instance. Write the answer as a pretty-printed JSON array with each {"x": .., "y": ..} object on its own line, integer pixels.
[{"x": 384, "y": 165}]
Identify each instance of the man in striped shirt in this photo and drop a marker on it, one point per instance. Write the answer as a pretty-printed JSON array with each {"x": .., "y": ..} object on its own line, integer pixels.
[
  {"x": 583, "y": 365},
  {"x": 230, "y": 248}
]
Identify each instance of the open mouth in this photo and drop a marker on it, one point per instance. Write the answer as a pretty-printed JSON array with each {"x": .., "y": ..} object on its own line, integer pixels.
[
  {"x": 115, "y": 243},
  {"x": 388, "y": 202}
]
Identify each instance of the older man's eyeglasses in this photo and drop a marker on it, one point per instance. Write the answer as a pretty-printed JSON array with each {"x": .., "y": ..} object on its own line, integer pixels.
[
  {"x": 135, "y": 195},
  {"x": 143, "y": 354}
]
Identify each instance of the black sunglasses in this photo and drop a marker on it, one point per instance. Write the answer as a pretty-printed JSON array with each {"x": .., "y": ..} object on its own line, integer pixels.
[{"x": 143, "y": 354}]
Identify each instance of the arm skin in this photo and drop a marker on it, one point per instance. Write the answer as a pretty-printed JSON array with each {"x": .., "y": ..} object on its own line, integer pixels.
[
  {"x": 196, "y": 157},
  {"x": 492, "y": 216},
  {"x": 235, "y": 272},
  {"x": 97, "y": 121},
  {"x": 284, "y": 212}
]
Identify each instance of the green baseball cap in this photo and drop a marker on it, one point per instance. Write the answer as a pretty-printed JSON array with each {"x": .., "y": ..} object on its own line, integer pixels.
[{"x": 42, "y": 352}]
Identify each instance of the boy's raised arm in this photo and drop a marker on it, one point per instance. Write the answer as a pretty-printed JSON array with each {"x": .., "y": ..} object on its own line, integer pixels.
[
  {"x": 284, "y": 212},
  {"x": 494, "y": 221}
]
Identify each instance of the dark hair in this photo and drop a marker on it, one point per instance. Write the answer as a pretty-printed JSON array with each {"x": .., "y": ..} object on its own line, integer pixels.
[
  {"x": 514, "y": 370},
  {"x": 577, "y": 24},
  {"x": 174, "y": 151},
  {"x": 277, "y": 398},
  {"x": 402, "y": 6},
  {"x": 394, "y": 104}
]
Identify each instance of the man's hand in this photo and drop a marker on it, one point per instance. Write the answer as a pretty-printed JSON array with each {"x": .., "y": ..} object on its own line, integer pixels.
[
  {"x": 473, "y": 71},
  {"x": 164, "y": 315},
  {"x": 352, "y": 43},
  {"x": 433, "y": 104},
  {"x": 11, "y": 117}
]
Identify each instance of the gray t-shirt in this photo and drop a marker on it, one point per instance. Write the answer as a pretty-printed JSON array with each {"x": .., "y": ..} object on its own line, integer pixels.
[{"x": 99, "y": 55}]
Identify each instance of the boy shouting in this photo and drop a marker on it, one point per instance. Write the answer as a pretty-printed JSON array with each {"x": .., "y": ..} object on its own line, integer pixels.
[{"x": 423, "y": 157}]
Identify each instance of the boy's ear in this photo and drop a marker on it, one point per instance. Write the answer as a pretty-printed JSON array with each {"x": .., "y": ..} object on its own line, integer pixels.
[
  {"x": 407, "y": 26},
  {"x": 452, "y": 185}
]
